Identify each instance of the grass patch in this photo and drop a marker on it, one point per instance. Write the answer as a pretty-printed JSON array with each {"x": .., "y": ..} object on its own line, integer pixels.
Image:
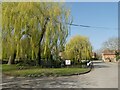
[{"x": 38, "y": 72}]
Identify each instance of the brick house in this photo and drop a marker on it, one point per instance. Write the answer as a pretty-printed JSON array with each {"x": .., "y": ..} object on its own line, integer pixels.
[{"x": 109, "y": 56}]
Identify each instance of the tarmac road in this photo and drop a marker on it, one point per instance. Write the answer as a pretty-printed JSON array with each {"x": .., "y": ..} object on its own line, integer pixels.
[{"x": 104, "y": 75}]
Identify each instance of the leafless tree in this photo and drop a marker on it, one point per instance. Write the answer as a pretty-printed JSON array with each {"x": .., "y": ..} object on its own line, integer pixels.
[{"x": 112, "y": 43}]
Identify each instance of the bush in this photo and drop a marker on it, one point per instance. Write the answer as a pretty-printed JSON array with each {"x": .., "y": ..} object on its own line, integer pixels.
[
  {"x": 26, "y": 62},
  {"x": 118, "y": 58},
  {"x": 4, "y": 62}
]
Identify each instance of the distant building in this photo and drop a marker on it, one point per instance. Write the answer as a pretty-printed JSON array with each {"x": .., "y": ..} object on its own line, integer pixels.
[{"x": 109, "y": 55}]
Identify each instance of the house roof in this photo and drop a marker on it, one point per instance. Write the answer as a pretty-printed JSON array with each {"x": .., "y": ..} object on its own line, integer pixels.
[{"x": 109, "y": 51}]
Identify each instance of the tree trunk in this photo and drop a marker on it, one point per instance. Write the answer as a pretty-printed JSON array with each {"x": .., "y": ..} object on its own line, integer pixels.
[
  {"x": 39, "y": 44},
  {"x": 39, "y": 55},
  {"x": 12, "y": 58}
]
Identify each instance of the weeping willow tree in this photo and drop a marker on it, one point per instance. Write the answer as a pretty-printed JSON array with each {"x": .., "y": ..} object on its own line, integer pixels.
[
  {"x": 78, "y": 48},
  {"x": 33, "y": 30}
]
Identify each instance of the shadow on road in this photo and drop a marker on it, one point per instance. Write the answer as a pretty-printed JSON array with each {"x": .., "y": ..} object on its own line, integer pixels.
[{"x": 101, "y": 66}]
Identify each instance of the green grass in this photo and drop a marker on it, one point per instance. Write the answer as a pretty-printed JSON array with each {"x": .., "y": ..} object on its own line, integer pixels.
[{"x": 38, "y": 72}]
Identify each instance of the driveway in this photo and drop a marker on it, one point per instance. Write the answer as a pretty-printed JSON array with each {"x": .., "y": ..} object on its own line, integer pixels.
[{"x": 104, "y": 75}]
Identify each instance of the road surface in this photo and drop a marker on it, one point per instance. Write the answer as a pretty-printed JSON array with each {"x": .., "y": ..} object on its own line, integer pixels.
[{"x": 104, "y": 75}]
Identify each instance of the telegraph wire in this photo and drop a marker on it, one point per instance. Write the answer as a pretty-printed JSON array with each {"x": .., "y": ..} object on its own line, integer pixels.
[{"x": 87, "y": 26}]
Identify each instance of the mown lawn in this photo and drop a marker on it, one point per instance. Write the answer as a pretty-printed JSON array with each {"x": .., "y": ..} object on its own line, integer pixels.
[{"x": 38, "y": 71}]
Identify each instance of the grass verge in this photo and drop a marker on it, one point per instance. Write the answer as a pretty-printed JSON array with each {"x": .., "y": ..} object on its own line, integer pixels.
[{"x": 27, "y": 71}]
